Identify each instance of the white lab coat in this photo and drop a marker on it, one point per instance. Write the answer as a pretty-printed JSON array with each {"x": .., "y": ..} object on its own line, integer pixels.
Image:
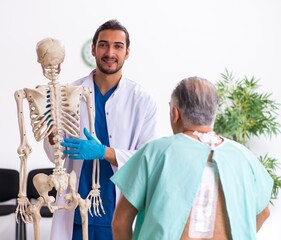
[{"x": 131, "y": 122}]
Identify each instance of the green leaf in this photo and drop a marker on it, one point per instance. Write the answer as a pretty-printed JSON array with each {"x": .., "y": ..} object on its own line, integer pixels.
[{"x": 245, "y": 112}]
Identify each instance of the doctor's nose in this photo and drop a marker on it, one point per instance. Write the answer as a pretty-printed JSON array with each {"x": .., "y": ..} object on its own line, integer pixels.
[{"x": 110, "y": 50}]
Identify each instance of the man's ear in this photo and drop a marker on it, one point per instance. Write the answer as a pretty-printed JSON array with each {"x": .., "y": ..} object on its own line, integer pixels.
[
  {"x": 175, "y": 114},
  {"x": 93, "y": 50},
  {"x": 127, "y": 53}
]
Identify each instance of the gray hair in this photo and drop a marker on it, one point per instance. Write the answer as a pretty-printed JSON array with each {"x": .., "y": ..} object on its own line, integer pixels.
[{"x": 197, "y": 100}]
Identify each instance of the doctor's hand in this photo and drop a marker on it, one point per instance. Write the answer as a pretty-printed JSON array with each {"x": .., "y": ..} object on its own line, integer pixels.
[{"x": 89, "y": 149}]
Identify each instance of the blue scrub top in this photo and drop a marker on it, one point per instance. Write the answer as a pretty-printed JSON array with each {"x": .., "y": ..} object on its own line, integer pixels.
[{"x": 107, "y": 187}]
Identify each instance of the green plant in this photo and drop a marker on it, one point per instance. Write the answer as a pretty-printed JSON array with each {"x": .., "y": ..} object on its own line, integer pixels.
[
  {"x": 271, "y": 165},
  {"x": 244, "y": 112}
]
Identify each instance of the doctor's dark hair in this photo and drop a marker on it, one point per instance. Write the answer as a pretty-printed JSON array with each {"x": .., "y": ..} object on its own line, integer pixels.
[
  {"x": 197, "y": 100},
  {"x": 112, "y": 24}
]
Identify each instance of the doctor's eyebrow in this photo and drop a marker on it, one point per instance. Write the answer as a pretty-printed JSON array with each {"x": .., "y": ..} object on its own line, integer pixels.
[{"x": 107, "y": 42}]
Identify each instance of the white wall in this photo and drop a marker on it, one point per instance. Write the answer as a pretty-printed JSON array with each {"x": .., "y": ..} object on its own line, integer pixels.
[{"x": 170, "y": 40}]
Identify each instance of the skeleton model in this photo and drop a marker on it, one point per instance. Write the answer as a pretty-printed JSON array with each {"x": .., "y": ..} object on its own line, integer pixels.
[{"x": 54, "y": 111}]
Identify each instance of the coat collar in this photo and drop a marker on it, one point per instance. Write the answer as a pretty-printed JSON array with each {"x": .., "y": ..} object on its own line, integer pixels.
[{"x": 89, "y": 81}]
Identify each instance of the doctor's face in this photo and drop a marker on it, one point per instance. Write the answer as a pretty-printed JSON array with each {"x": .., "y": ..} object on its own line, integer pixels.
[{"x": 110, "y": 51}]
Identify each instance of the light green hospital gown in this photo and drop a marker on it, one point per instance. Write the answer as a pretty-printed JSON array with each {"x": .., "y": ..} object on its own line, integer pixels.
[{"x": 162, "y": 178}]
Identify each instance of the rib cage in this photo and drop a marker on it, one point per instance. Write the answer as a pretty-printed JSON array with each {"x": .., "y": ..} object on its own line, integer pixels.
[{"x": 54, "y": 108}]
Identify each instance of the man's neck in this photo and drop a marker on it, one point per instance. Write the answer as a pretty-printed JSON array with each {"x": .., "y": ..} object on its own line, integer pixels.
[
  {"x": 199, "y": 128},
  {"x": 106, "y": 81}
]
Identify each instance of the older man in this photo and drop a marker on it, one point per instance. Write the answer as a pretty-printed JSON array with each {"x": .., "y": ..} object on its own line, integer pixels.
[{"x": 194, "y": 184}]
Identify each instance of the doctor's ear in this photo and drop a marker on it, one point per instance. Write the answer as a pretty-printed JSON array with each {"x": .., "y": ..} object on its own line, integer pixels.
[
  {"x": 93, "y": 50},
  {"x": 127, "y": 53}
]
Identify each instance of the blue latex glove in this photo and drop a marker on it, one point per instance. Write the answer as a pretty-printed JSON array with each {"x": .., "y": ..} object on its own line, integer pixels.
[{"x": 84, "y": 149}]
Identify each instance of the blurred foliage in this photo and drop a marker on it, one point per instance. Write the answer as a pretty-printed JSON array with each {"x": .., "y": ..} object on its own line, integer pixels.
[
  {"x": 245, "y": 112},
  {"x": 271, "y": 165}
]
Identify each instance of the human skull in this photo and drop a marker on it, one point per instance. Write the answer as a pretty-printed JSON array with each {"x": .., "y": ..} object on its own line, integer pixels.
[{"x": 50, "y": 54}]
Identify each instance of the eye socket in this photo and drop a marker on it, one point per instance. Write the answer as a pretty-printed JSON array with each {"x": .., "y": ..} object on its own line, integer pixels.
[
  {"x": 119, "y": 46},
  {"x": 102, "y": 45}
]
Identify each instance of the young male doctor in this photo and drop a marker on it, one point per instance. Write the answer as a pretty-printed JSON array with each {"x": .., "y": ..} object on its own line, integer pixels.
[{"x": 124, "y": 120}]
